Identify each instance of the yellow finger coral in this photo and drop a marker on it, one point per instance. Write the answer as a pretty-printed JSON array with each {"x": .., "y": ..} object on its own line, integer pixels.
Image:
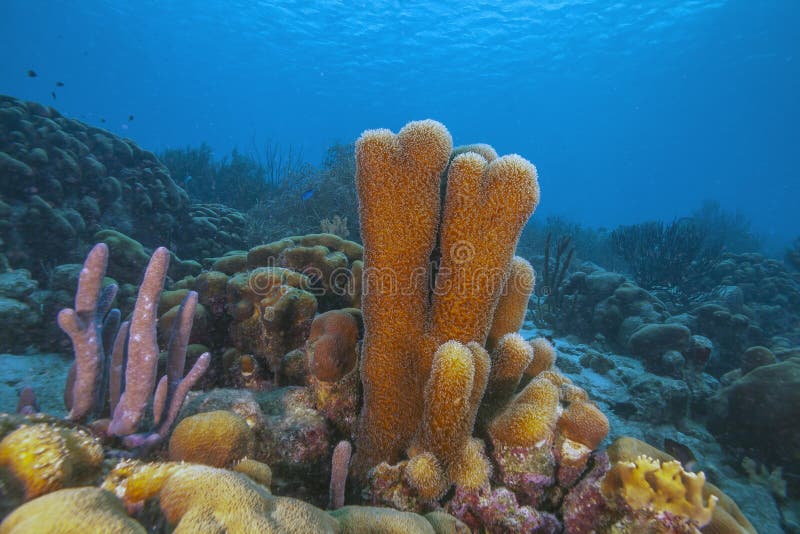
[
  {"x": 45, "y": 457},
  {"x": 485, "y": 203},
  {"x": 510, "y": 358},
  {"x": 648, "y": 484},
  {"x": 425, "y": 473},
  {"x": 473, "y": 468},
  {"x": 449, "y": 410},
  {"x": 72, "y": 511}
]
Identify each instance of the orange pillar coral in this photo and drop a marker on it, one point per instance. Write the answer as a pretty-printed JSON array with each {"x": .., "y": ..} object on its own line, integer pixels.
[
  {"x": 513, "y": 303},
  {"x": 408, "y": 315},
  {"x": 398, "y": 178}
]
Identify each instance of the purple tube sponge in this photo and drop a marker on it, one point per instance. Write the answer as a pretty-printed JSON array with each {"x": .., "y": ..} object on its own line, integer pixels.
[
  {"x": 85, "y": 326},
  {"x": 140, "y": 371},
  {"x": 127, "y": 354}
]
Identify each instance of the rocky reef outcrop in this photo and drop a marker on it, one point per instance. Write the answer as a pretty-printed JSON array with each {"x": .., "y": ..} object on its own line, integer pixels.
[{"x": 61, "y": 181}]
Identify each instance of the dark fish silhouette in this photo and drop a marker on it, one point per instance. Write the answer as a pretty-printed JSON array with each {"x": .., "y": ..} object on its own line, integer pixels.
[
  {"x": 53, "y": 94},
  {"x": 681, "y": 452},
  {"x": 307, "y": 194},
  {"x": 102, "y": 120},
  {"x": 59, "y": 84},
  {"x": 32, "y": 74}
]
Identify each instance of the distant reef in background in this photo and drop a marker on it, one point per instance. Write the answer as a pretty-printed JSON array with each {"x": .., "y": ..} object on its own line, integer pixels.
[{"x": 64, "y": 181}]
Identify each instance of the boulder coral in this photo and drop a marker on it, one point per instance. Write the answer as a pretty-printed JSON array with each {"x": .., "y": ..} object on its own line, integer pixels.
[
  {"x": 199, "y": 499},
  {"x": 271, "y": 312},
  {"x": 72, "y": 511},
  {"x": 759, "y": 410},
  {"x": 45, "y": 457},
  {"x": 218, "y": 438},
  {"x": 331, "y": 353}
]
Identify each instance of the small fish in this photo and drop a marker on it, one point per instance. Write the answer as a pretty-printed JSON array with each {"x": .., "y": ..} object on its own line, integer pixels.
[
  {"x": 187, "y": 179},
  {"x": 130, "y": 117},
  {"x": 32, "y": 74},
  {"x": 59, "y": 84},
  {"x": 681, "y": 452},
  {"x": 307, "y": 194},
  {"x": 53, "y": 94},
  {"x": 102, "y": 120}
]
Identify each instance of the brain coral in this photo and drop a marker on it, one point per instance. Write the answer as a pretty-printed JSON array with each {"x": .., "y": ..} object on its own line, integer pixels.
[
  {"x": 72, "y": 511},
  {"x": 200, "y": 499},
  {"x": 217, "y": 438}
]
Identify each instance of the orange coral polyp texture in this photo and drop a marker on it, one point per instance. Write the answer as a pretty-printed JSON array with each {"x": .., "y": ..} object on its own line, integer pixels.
[
  {"x": 397, "y": 180},
  {"x": 486, "y": 205}
]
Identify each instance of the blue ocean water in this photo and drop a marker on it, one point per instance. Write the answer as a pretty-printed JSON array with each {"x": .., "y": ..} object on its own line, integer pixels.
[{"x": 630, "y": 110}]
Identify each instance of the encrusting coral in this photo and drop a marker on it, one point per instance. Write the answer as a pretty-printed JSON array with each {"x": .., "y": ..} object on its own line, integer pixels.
[
  {"x": 660, "y": 488},
  {"x": 727, "y": 518}
]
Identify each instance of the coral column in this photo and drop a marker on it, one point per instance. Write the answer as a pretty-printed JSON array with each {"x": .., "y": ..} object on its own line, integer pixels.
[{"x": 398, "y": 183}]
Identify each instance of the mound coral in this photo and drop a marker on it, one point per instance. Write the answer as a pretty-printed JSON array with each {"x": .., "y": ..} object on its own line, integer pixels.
[
  {"x": 218, "y": 438},
  {"x": 45, "y": 457},
  {"x": 72, "y": 511}
]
